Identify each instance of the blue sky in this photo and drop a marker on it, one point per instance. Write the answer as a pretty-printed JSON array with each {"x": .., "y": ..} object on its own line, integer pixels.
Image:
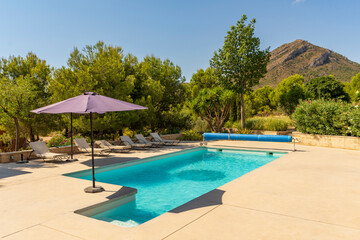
[{"x": 186, "y": 32}]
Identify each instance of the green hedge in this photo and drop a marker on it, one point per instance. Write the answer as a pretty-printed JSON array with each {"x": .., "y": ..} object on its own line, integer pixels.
[{"x": 327, "y": 117}]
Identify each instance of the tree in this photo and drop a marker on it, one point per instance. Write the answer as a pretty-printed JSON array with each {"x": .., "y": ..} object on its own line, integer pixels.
[
  {"x": 261, "y": 100},
  {"x": 23, "y": 87},
  {"x": 240, "y": 64},
  {"x": 326, "y": 88},
  {"x": 213, "y": 105},
  {"x": 289, "y": 92},
  {"x": 202, "y": 79},
  {"x": 104, "y": 69},
  {"x": 353, "y": 88}
]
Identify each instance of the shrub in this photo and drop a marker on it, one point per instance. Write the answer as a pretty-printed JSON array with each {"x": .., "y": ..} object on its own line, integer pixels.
[
  {"x": 61, "y": 140},
  {"x": 58, "y": 140},
  {"x": 327, "y": 117},
  {"x": 244, "y": 131},
  {"x": 272, "y": 123},
  {"x": 191, "y": 136}
]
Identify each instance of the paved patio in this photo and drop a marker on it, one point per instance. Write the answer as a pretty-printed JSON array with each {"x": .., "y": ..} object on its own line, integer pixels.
[{"x": 313, "y": 193}]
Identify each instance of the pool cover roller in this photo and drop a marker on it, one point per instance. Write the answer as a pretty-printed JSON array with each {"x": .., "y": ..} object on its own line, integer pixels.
[{"x": 247, "y": 137}]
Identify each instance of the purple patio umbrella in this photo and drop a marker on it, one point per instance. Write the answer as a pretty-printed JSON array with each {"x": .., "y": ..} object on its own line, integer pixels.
[{"x": 88, "y": 102}]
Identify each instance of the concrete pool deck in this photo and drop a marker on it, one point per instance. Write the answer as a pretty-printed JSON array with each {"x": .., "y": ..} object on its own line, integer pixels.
[{"x": 313, "y": 193}]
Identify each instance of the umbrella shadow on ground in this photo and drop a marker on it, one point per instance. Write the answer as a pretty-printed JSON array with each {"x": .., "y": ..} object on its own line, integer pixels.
[
  {"x": 212, "y": 198},
  {"x": 100, "y": 162},
  {"x": 7, "y": 172}
]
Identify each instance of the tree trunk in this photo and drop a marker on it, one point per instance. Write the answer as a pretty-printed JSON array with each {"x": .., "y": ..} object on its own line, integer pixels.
[
  {"x": 237, "y": 108},
  {"x": 242, "y": 111},
  {"x": 17, "y": 138},
  {"x": 31, "y": 135}
]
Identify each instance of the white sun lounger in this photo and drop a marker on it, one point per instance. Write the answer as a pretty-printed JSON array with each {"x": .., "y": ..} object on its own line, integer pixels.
[
  {"x": 142, "y": 139},
  {"x": 41, "y": 150},
  {"x": 85, "y": 147},
  {"x": 114, "y": 148},
  {"x": 157, "y": 138},
  {"x": 128, "y": 142}
]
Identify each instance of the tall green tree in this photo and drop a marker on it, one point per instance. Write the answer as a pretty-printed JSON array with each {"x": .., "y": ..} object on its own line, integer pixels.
[
  {"x": 240, "y": 64},
  {"x": 24, "y": 87}
]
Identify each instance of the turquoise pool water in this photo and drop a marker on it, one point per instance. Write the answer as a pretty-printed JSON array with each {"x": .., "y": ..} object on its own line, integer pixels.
[{"x": 170, "y": 182}]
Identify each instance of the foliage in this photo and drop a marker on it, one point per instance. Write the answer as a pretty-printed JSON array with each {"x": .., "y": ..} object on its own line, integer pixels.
[
  {"x": 260, "y": 101},
  {"x": 58, "y": 140},
  {"x": 327, "y": 117},
  {"x": 23, "y": 87},
  {"x": 240, "y": 63},
  {"x": 271, "y": 123},
  {"x": 105, "y": 69},
  {"x": 353, "y": 88},
  {"x": 61, "y": 140},
  {"x": 191, "y": 135},
  {"x": 213, "y": 105},
  {"x": 288, "y": 93},
  {"x": 326, "y": 88},
  {"x": 199, "y": 125},
  {"x": 244, "y": 131},
  {"x": 202, "y": 79}
]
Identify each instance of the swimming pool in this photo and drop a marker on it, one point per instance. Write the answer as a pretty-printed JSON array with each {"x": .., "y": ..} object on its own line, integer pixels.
[{"x": 168, "y": 181}]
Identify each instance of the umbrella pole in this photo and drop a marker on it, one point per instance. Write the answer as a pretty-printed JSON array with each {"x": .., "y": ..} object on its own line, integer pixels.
[
  {"x": 92, "y": 151},
  {"x": 93, "y": 188},
  {"x": 71, "y": 138}
]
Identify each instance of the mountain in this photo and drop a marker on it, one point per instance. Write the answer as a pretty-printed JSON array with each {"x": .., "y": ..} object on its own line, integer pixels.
[{"x": 304, "y": 58}]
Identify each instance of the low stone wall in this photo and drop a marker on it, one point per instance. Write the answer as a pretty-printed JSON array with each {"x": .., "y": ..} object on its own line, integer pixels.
[
  {"x": 171, "y": 136},
  {"x": 66, "y": 149},
  {"x": 15, "y": 156},
  {"x": 344, "y": 142}
]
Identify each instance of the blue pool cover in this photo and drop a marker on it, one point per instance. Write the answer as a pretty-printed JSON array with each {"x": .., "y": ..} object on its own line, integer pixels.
[{"x": 246, "y": 137}]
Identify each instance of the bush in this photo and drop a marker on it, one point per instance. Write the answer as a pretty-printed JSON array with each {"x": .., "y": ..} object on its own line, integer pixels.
[
  {"x": 327, "y": 117},
  {"x": 244, "y": 131},
  {"x": 61, "y": 140},
  {"x": 191, "y": 136},
  {"x": 58, "y": 140},
  {"x": 272, "y": 123}
]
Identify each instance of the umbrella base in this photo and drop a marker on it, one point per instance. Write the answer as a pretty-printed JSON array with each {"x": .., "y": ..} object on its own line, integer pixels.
[
  {"x": 72, "y": 160},
  {"x": 95, "y": 189}
]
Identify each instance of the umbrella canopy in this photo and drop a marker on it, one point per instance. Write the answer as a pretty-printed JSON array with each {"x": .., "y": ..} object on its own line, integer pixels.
[{"x": 89, "y": 102}]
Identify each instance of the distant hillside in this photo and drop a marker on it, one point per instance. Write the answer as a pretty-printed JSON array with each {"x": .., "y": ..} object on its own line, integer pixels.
[{"x": 302, "y": 57}]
